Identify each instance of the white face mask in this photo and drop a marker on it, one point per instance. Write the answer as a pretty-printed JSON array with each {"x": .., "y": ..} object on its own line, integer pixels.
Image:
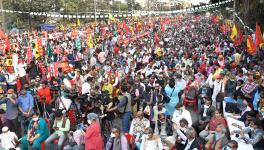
[
  {"x": 228, "y": 148},
  {"x": 112, "y": 135},
  {"x": 35, "y": 119},
  {"x": 206, "y": 107},
  {"x": 89, "y": 121},
  {"x": 147, "y": 136}
]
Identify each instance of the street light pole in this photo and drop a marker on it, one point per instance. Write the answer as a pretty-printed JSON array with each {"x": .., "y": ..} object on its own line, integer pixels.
[
  {"x": 29, "y": 17},
  {"x": 2, "y": 15},
  {"x": 234, "y": 11},
  {"x": 95, "y": 12}
]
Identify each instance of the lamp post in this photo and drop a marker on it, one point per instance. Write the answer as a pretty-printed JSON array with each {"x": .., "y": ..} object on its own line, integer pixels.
[
  {"x": 95, "y": 12},
  {"x": 29, "y": 17},
  {"x": 234, "y": 11},
  {"x": 2, "y": 15}
]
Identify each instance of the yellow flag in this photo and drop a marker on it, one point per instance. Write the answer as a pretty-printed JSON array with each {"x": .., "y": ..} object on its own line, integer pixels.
[
  {"x": 136, "y": 18},
  {"x": 111, "y": 17},
  {"x": 36, "y": 50},
  {"x": 78, "y": 22},
  {"x": 90, "y": 42},
  {"x": 62, "y": 27},
  {"x": 234, "y": 32}
]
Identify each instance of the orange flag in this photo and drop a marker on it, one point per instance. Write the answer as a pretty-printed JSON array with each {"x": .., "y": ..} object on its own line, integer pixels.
[
  {"x": 223, "y": 29},
  {"x": 251, "y": 48},
  {"x": 259, "y": 37}
]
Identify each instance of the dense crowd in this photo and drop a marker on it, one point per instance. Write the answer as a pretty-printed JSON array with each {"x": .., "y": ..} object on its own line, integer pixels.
[{"x": 148, "y": 83}]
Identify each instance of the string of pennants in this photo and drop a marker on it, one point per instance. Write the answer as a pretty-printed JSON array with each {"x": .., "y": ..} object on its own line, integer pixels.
[{"x": 124, "y": 13}]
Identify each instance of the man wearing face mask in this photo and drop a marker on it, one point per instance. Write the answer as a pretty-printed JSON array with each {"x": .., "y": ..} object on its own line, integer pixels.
[
  {"x": 11, "y": 114},
  {"x": 139, "y": 124},
  {"x": 206, "y": 113},
  {"x": 179, "y": 114},
  {"x": 61, "y": 128},
  {"x": 117, "y": 140}
]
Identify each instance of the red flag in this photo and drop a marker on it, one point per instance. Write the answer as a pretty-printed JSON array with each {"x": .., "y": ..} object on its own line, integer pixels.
[
  {"x": 235, "y": 41},
  {"x": 7, "y": 43},
  {"x": 215, "y": 19},
  {"x": 251, "y": 48},
  {"x": 103, "y": 31},
  {"x": 29, "y": 55},
  {"x": 240, "y": 37},
  {"x": 55, "y": 69},
  {"x": 156, "y": 38},
  {"x": 125, "y": 26},
  {"x": 223, "y": 29},
  {"x": 258, "y": 35},
  {"x": 162, "y": 28}
]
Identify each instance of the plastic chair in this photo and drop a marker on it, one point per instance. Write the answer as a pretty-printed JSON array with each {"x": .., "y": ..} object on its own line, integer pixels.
[
  {"x": 131, "y": 140},
  {"x": 56, "y": 141},
  {"x": 42, "y": 145},
  {"x": 193, "y": 101}
]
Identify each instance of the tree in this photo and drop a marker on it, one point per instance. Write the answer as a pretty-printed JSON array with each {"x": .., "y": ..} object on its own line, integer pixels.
[{"x": 25, "y": 21}]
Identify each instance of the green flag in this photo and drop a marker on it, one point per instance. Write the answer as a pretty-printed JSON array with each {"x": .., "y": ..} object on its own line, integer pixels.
[
  {"x": 50, "y": 53},
  {"x": 78, "y": 44}
]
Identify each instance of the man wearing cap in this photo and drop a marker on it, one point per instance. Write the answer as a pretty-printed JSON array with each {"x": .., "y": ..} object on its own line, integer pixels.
[
  {"x": 8, "y": 139},
  {"x": 11, "y": 114}
]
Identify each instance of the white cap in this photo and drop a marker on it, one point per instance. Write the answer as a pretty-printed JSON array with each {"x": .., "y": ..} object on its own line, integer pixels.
[{"x": 5, "y": 129}]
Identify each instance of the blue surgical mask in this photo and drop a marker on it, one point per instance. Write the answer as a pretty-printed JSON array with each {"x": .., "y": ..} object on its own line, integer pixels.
[{"x": 227, "y": 148}]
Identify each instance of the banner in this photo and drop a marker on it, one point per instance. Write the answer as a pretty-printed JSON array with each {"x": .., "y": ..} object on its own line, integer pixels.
[{"x": 29, "y": 55}]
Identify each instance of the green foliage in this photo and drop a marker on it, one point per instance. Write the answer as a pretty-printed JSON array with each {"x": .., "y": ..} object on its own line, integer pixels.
[
  {"x": 251, "y": 12},
  {"x": 24, "y": 21}
]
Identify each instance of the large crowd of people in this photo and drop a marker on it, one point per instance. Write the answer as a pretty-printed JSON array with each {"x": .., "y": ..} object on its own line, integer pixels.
[{"x": 150, "y": 83}]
